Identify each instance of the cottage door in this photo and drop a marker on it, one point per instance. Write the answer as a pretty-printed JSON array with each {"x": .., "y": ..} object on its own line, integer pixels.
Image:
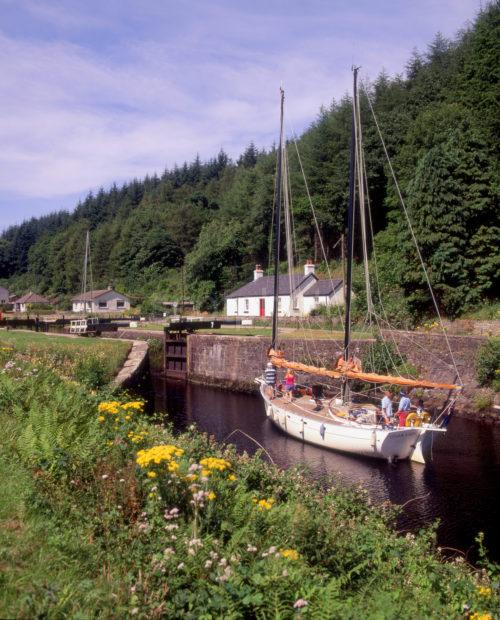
[{"x": 262, "y": 307}]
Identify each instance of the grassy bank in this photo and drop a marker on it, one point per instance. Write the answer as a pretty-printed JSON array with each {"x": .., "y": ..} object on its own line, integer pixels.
[
  {"x": 107, "y": 514},
  {"x": 89, "y": 360}
]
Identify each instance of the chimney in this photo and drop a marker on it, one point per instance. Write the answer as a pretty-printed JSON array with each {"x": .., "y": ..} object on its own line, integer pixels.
[
  {"x": 110, "y": 287},
  {"x": 258, "y": 273},
  {"x": 308, "y": 267}
]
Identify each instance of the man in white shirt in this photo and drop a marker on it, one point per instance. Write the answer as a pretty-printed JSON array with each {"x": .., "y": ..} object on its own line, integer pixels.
[
  {"x": 405, "y": 402},
  {"x": 387, "y": 407}
]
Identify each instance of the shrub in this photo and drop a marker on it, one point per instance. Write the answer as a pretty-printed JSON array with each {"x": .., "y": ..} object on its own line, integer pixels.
[
  {"x": 90, "y": 371},
  {"x": 488, "y": 364},
  {"x": 482, "y": 400}
]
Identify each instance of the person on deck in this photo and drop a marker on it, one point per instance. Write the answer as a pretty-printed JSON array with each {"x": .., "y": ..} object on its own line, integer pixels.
[
  {"x": 357, "y": 365},
  {"x": 387, "y": 408},
  {"x": 289, "y": 384},
  {"x": 270, "y": 379},
  {"x": 403, "y": 408}
]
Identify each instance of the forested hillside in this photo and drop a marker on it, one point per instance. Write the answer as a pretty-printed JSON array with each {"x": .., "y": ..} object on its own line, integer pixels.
[{"x": 206, "y": 224}]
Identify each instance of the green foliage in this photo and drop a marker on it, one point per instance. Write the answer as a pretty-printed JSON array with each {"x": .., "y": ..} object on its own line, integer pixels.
[
  {"x": 488, "y": 364},
  {"x": 483, "y": 400},
  {"x": 86, "y": 531},
  {"x": 91, "y": 372}
]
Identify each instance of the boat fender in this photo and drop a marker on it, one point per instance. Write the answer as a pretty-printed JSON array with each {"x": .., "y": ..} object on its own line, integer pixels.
[{"x": 322, "y": 430}]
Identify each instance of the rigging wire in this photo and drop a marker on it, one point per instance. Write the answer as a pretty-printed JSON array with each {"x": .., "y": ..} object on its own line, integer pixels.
[{"x": 405, "y": 210}]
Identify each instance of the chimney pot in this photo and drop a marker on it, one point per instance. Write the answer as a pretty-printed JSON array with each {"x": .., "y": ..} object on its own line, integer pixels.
[
  {"x": 309, "y": 267},
  {"x": 258, "y": 273}
]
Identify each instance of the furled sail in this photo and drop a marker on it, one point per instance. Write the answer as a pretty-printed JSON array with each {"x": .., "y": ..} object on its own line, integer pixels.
[{"x": 280, "y": 362}]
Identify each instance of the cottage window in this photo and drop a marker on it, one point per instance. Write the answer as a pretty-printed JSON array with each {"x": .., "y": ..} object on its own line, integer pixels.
[
  {"x": 120, "y": 303},
  {"x": 103, "y": 304},
  {"x": 316, "y": 299},
  {"x": 246, "y": 305}
]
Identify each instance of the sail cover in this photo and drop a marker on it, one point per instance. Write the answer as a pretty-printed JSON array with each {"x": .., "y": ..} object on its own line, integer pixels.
[{"x": 281, "y": 362}]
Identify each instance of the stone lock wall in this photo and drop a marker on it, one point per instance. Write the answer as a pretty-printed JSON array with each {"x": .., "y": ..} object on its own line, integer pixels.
[{"x": 233, "y": 362}]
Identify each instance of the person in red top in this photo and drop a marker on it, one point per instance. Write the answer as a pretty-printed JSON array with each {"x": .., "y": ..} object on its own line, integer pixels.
[{"x": 289, "y": 384}]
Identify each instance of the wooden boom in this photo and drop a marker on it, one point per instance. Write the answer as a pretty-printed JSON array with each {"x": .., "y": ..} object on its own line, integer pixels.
[{"x": 280, "y": 362}]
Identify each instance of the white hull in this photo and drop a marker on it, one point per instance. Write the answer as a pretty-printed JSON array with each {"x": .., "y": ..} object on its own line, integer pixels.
[{"x": 344, "y": 436}]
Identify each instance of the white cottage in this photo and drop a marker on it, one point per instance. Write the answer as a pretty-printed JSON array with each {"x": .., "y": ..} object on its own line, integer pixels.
[
  {"x": 256, "y": 298},
  {"x": 24, "y": 303},
  {"x": 105, "y": 300}
]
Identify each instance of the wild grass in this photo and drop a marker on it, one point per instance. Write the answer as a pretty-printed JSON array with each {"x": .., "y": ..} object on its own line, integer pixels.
[
  {"x": 107, "y": 514},
  {"x": 97, "y": 359}
]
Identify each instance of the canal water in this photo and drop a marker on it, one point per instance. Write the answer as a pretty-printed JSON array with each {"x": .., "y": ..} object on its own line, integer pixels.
[{"x": 460, "y": 488}]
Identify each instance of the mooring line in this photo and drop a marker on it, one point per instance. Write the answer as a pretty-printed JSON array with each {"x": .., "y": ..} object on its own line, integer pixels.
[{"x": 238, "y": 430}]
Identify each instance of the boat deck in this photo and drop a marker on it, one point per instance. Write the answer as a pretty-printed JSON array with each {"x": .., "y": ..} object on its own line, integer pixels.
[{"x": 307, "y": 407}]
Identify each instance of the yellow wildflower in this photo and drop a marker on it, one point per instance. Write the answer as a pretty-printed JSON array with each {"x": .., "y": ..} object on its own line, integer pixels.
[
  {"x": 264, "y": 504},
  {"x": 480, "y": 616},
  {"x": 191, "y": 477},
  {"x": 173, "y": 466},
  {"x": 205, "y": 472},
  {"x": 127, "y": 417},
  {"x": 212, "y": 463},
  {"x": 101, "y": 418},
  {"x": 158, "y": 454},
  {"x": 232, "y": 477},
  {"x": 151, "y": 474},
  {"x": 484, "y": 591},
  {"x": 211, "y": 496},
  {"x": 136, "y": 404},
  {"x": 290, "y": 554}
]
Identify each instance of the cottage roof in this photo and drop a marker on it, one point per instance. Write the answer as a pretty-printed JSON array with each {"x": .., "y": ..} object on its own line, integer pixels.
[
  {"x": 264, "y": 286},
  {"x": 323, "y": 287},
  {"x": 32, "y": 298},
  {"x": 91, "y": 295}
]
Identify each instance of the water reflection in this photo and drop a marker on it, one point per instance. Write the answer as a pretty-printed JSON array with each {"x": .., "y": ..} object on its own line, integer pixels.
[{"x": 460, "y": 486}]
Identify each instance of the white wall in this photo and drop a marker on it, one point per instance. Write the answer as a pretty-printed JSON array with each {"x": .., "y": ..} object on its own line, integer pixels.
[
  {"x": 110, "y": 298},
  {"x": 337, "y": 299},
  {"x": 238, "y": 306}
]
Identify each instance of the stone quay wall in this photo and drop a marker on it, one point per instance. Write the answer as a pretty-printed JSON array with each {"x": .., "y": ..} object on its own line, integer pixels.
[
  {"x": 133, "y": 366},
  {"x": 233, "y": 362}
]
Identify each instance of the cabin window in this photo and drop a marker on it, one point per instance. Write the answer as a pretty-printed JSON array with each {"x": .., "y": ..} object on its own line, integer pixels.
[
  {"x": 120, "y": 303},
  {"x": 246, "y": 305},
  {"x": 316, "y": 299},
  {"x": 103, "y": 304}
]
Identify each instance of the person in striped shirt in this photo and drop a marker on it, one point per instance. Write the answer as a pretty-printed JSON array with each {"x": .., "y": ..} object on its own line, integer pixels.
[{"x": 270, "y": 379}]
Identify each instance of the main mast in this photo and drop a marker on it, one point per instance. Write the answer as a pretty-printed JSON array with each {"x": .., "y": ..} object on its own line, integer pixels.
[
  {"x": 350, "y": 232},
  {"x": 277, "y": 226},
  {"x": 85, "y": 264}
]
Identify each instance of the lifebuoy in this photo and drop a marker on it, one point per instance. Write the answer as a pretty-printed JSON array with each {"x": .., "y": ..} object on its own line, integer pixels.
[{"x": 416, "y": 419}]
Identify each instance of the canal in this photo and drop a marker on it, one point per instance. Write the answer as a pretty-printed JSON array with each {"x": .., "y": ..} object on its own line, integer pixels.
[{"x": 460, "y": 488}]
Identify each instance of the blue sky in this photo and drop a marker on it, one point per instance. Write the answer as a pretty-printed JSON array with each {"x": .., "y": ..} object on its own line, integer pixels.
[{"x": 107, "y": 90}]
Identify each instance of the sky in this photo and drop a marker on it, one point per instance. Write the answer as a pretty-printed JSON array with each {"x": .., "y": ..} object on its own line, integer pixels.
[{"x": 105, "y": 91}]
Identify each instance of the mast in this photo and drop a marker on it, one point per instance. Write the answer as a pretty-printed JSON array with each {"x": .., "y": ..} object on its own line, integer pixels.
[
  {"x": 85, "y": 263},
  {"x": 277, "y": 226},
  {"x": 350, "y": 232}
]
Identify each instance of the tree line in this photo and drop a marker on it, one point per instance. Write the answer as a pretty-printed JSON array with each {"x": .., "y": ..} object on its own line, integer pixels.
[{"x": 198, "y": 229}]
